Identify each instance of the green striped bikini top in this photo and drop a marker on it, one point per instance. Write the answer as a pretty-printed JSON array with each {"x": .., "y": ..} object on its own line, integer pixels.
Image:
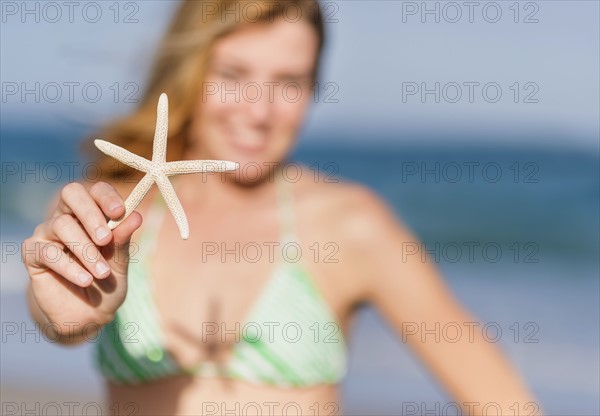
[{"x": 291, "y": 337}]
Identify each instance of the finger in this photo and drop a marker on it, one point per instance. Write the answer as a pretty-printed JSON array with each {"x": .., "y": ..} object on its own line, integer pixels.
[
  {"x": 76, "y": 200},
  {"x": 69, "y": 232},
  {"x": 118, "y": 252},
  {"x": 123, "y": 233},
  {"x": 50, "y": 255},
  {"x": 108, "y": 199}
]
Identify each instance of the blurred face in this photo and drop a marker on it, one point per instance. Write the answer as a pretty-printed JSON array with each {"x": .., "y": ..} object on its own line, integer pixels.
[{"x": 256, "y": 91}]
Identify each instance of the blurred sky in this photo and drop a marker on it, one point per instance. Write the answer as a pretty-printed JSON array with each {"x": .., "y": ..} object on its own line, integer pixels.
[{"x": 374, "y": 47}]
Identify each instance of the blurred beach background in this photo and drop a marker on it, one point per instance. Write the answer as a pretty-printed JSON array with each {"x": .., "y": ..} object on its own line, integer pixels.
[{"x": 515, "y": 176}]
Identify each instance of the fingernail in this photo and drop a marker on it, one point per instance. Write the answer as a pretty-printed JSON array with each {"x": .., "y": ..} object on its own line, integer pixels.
[
  {"x": 84, "y": 278},
  {"x": 114, "y": 206},
  {"x": 102, "y": 268},
  {"x": 102, "y": 232}
]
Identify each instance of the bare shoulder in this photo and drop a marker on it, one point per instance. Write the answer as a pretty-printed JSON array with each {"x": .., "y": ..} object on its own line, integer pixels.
[
  {"x": 354, "y": 212},
  {"x": 364, "y": 227}
]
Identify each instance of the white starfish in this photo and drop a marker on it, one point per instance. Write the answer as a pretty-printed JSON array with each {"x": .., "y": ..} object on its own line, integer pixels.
[{"x": 158, "y": 169}]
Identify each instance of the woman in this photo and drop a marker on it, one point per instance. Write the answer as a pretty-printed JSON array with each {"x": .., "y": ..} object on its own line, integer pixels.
[{"x": 202, "y": 326}]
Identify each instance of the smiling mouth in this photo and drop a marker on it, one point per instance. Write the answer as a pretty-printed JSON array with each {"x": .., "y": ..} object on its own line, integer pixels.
[{"x": 249, "y": 143}]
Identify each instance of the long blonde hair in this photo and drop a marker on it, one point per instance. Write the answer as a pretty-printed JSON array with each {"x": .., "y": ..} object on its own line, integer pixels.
[{"x": 179, "y": 69}]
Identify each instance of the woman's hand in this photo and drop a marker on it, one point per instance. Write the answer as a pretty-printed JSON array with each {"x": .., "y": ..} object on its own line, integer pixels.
[{"x": 77, "y": 265}]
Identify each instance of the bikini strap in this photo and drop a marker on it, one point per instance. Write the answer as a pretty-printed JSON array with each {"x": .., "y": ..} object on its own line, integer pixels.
[{"x": 285, "y": 202}]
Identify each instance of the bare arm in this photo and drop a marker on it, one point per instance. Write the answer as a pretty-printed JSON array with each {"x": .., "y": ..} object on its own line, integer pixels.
[{"x": 410, "y": 293}]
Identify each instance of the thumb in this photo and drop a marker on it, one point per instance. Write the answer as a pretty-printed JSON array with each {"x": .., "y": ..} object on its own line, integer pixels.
[{"x": 119, "y": 249}]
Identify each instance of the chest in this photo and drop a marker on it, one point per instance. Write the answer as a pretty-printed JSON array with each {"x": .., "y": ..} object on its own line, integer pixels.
[{"x": 206, "y": 287}]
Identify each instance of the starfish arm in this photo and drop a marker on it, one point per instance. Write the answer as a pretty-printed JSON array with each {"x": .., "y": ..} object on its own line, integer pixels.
[
  {"x": 122, "y": 155},
  {"x": 159, "y": 146},
  {"x": 168, "y": 193},
  {"x": 134, "y": 199},
  {"x": 196, "y": 166}
]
